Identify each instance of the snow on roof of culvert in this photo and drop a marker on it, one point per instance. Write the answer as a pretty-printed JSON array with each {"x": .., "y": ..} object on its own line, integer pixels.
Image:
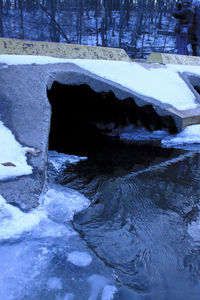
[{"x": 163, "y": 84}]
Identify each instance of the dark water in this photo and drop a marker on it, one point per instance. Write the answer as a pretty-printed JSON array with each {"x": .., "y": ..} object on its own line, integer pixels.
[{"x": 143, "y": 201}]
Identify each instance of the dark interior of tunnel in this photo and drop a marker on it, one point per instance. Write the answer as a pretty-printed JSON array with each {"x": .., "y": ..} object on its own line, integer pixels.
[
  {"x": 197, "y": 88},
  {"x": 81, "y": 118}
]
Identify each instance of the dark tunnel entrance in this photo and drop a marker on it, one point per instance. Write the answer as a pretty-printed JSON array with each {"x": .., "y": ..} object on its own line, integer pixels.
[{"x": 81, "y": 118}]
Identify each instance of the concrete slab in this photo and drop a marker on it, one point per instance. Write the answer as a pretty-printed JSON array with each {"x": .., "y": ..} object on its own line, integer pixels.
[
  {"x": 166, "y": 58},
  {"x": 62, "y": 50}
]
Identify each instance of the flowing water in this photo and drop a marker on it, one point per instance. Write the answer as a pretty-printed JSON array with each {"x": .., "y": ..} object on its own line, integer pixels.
[{"x": 143, "y": 221}]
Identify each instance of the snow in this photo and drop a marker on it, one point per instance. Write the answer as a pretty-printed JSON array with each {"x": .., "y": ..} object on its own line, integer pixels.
[
  {"x": 162, "y": 84},
  {"x": 78, "y": 258},
  {"x": 12, "y": 152},
  {"x": 14, "y": 222},
  {"x": 57, "y": 208},
  {"x": 190, "y": 135}
]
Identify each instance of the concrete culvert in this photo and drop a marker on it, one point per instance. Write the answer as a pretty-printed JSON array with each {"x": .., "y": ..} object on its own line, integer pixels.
[{"x": 81, "y": 117}]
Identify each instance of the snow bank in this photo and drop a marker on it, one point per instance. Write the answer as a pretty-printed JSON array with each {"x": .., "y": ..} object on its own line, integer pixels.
[
  {"x": 12, "y": 155},
  {"x": 163, "y": 84}
]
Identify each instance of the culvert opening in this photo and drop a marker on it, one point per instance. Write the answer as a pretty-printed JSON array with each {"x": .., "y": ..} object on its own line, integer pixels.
[{"x": 82, "y": 118}]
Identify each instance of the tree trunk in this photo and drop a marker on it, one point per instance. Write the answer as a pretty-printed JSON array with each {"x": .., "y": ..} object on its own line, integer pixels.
[
  {"x": 1, "y": 18},
  {"x": 21, "y": 28},
  {"x": 54, "y": 33}
]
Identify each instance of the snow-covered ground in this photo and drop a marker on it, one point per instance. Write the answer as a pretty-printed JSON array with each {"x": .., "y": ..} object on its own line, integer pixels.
[{"x": 162, "y": 84}]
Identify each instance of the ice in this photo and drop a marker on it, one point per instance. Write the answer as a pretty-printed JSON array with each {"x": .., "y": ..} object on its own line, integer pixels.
[
  {"x": 194, "y": 229},
  {"x": 97, "y": 283},
  {"x": 14, "y": 222},
  {"x": 190, "y": 135},
  {"x": 132, "y": 133},
  {"x": 68, "y": 296},
  {"x": 12, "y": 152},
  {"x": 78, "y": 258},
  {"x": 108, "y": 292},
  {"x": 59, "y": 159},
  {"x": 54, "y": 283},
  {"x": 62, "y": 205}
]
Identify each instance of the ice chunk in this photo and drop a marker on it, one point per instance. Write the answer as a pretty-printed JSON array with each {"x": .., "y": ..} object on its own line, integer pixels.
[
  {"x": 97, "y": 283},
  {"x": 58, "y": 159},
  {"x": 190, "y": 135},
  {"x": 61, "y": 205},
  {"x": 108, "y": 292},
  {"x": 78, "y": 258},
  {"x": 54, "y": 283}
]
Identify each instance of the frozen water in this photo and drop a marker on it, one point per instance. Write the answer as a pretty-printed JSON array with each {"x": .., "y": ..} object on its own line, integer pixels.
[
  {"x": 67, "y": 296},
  {"x": 190, "y": 135},
  {"x": 60, "y": 159},
  {"x": 132, "y": 133},
  {"x": 54, "y": 283},
  {"x": 62, "y": 205},
  {"x": 40, "y": 250},
  {"x": 108, "y": 292},
  {"x": 78, "y": 258},
  {"x": 97, "y": 283}
]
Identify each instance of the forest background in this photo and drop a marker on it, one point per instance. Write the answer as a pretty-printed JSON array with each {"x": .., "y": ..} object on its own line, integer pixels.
[{"x": 138, "y": 26}]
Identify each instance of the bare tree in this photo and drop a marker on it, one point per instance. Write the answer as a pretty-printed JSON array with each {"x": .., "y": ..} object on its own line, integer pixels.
[{"x": 1, "y": 18}]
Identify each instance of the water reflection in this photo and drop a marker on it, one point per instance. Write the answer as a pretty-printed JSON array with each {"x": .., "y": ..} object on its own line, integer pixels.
[{"x": 143, "y": 202}]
